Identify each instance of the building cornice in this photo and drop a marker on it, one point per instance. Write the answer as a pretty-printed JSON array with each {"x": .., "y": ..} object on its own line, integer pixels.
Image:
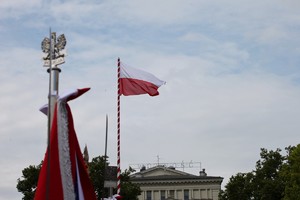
[{"x": 167, "y": 180}]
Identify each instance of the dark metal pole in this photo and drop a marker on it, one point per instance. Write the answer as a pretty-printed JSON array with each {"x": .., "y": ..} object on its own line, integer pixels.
[{"x": 105, "y": 156}]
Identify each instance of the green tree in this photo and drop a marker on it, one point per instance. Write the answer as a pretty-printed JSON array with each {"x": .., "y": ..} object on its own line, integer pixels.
[
  {"x": 129, "y": 190},
  {"x": 27, "y": 184},
  {"x": 263, "y": 183},
  {"x": 239, "y": 187},
  {"x": 291, "y": 174},
  {"x": 96, "y": 171},
  {"x": 267, "y": 184}
]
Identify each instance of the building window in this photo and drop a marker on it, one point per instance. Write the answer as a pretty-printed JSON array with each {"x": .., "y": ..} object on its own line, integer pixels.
[
  {"x": 149, "y": 195},
  {"x": 172, "y": 193},
  {"x": 162, "y": 195},
  {"x": 186, "y": 195}
]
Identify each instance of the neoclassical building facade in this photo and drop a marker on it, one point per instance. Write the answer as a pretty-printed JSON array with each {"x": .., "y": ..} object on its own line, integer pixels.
[{"x": 165, "y": 183}]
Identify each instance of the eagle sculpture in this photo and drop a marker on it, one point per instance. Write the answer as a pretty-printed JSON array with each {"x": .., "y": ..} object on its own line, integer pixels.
[{"x": 60, "y": 45}]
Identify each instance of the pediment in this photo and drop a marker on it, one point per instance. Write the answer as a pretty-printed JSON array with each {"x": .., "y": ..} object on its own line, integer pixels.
[{"x": 160, "y": 171}]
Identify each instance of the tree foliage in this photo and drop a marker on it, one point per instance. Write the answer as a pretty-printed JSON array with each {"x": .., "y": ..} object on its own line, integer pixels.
[
  {"x": 96, "y": 171},
  {"x": 291, "y": 174},
  {"x": 238, "y": 187},
  {"x": 267, "y": 184},
  {"x": 275, "y": 177},
  {"x": 129, "y": 190},
  {"x": 27, "y": 184}
]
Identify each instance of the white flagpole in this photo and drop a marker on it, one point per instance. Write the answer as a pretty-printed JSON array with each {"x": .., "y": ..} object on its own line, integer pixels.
[
  {"x": 49, "y": 119},
  {"x": 53, "y": 58},
  {"x": 52, "y": 98}
]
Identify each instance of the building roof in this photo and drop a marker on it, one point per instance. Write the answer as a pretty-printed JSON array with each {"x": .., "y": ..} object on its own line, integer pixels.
[
  {"x": 158, "y": 171},
  {"x": 166, "y": 175}
]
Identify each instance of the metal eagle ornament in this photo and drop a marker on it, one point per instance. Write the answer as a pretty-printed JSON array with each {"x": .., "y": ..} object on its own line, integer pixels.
[{"x": 54, "y": 48}]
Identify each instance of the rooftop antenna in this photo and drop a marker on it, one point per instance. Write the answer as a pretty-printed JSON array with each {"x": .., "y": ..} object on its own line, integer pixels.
[{"x": 158, "y": 159}]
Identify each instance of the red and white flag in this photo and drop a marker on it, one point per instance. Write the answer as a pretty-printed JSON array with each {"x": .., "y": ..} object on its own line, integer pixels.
[
  {"x": 64, "y": 174},
  {"x": 134, "y": 82},
  {"x": 114, "y": 197}
]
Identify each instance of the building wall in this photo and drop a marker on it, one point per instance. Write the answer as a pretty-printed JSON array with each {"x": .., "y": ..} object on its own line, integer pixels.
[
  {"x": 161, "y": 183},
  {"x": 199, "y": 192}
]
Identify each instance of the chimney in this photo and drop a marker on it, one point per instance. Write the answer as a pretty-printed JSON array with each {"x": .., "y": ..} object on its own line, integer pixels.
[
  {"x": 143, "y": 168},
  {"x": 202, "y": 173}
]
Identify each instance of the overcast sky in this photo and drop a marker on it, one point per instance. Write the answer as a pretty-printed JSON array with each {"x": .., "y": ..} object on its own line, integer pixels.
[{"x": 231, "y": 67}]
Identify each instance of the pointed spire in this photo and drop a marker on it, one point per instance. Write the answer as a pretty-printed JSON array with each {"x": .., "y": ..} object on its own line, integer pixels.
[{"x": 86, "y": 155}]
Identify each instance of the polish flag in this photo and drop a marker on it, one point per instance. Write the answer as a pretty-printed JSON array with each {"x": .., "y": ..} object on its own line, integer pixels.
[
  {"x": 135, "y": 82},
  {"x": 63, "y": 174}
]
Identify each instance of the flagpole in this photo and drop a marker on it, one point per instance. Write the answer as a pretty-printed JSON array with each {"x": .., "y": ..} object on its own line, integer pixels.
[
  {"x": 49, "y": 119},
  {"x": 52, "y": 60},
  {"x": 118, "y": 136}
]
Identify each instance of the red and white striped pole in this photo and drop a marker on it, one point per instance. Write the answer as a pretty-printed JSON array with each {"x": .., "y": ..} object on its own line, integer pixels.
[{"x": 118, "y": 157}]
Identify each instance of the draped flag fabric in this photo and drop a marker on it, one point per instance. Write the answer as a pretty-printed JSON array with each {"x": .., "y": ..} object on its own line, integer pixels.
[
  {"x": 64, "y": 175},
  {"x": 134, "y": 82},
  {"x": 114, "y": 197}
]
